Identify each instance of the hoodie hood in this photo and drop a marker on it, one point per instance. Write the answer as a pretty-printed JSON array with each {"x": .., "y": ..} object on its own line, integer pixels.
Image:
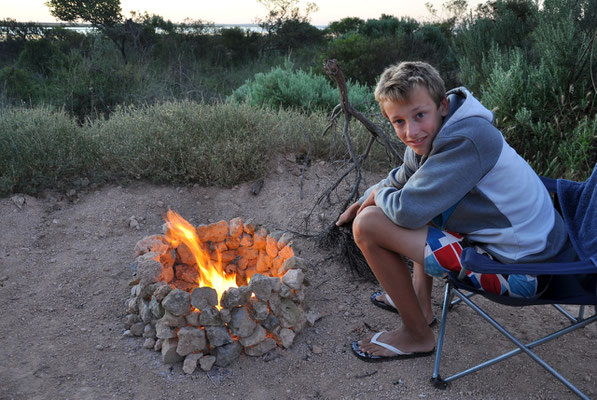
[{"x": 463, "y": 105}]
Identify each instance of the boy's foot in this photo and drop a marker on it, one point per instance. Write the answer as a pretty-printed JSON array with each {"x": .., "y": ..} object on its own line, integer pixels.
[
  {"x": 393, "y": 344},
  {"x": 382, "y": 300}
]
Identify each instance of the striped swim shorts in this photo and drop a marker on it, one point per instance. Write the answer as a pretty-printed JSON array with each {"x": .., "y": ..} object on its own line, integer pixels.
[{"x": 442, "y": 254}]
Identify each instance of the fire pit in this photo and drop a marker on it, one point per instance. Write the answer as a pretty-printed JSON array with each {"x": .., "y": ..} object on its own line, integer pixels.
[{"x": 204, "y": 295}]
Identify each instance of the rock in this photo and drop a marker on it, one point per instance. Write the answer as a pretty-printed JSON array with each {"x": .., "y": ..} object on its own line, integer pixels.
[
  {"x": 149, "y": 331},
  {"x": 294, "y": 278},
  {"x": 316, "y": 349},
  {"x": 151, "y": 243},
  {"x": 262, "y": 348},
  {"x": 149, "y": 343},
  {"x": 131, "y": 306},
  {"x": 312, "y": 316},
  {"x": 227, "y": 353},
  {"x": 286, "y": 252},
  {"x": 187, "y": 273},
  {"x": 204, "y": 297},
  {"x": 178, "y": 303},
  {"x": 293, "y": 263},
  {"x": 286, "y": 337},
  {"x": 190, "y": 340},
  {"x": 271, "y": 246},
  {"x": 258, "y": 309},
  {"x": 130, "y": 320},
  {"x": 285, "y": 291},
  {"x": 173, "y": 321},
  {"x": 137, "y": 328},
  {"x": 284, "y": 240},
  {"x": 164, "y": 331},
  {"x": 256, "y": 337},
  {"x": 235, "y": 227},
  {"x": 169, "y": 354},
  {"x": 213, "y": 233},
  {"x": 131, "y": 221},
  {"x": 206, "y": 363},
  {"x": 145, "y": 311},
  {"x": 241, "y": 324},
  {"x": 184, "y": 255},
  {"x": 193, "y": 318},
  {"x": 158, "y": 345},
  {"x": 156, "y": 308},
  {"x": 225, "y": 315},
  {"x": 261, "y": 285},
  {"x": 18, "y": 200},
  {"x": 190, "y": 363},
  {"x": 291, "y": 316},
  {"x": 218, "y": 335},
  {"x": 161, "y": 291},
  {"x": 271, "y": 323},
  {"x": 149, "y": 270},
  {"x": 210, "y": 317},
  {"x": 234, "y": 297}
]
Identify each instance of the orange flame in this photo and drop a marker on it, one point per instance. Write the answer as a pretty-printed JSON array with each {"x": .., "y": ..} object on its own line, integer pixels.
[{"x": 211, "y": 273}]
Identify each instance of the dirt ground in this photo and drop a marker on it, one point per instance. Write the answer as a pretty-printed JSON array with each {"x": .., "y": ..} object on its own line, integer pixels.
[{"x": 65, "y": 273}]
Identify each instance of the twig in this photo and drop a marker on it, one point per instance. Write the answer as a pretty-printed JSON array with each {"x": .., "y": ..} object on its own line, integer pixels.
[
  {"x": 367, "y": 375},
  {"x": 306, "y": 162}
]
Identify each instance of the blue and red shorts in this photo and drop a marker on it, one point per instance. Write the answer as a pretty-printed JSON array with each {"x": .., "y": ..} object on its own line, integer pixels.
[{"x": 442, "y": 254}]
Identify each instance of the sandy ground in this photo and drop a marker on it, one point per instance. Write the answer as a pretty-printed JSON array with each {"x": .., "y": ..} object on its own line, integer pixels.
[{"x": 64, "y": 278}]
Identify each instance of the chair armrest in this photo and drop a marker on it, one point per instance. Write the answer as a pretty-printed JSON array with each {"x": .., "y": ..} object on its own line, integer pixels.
[
  {"x": 473, "y": 261},
  {"x": 550, "y": 184}
]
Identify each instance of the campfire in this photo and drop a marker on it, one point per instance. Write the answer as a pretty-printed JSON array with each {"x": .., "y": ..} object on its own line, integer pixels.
[{"x": 206, "y": 294}]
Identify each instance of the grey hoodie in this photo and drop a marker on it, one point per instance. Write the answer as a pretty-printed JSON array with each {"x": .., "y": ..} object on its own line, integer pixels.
[{"x": 472, "y": 182}]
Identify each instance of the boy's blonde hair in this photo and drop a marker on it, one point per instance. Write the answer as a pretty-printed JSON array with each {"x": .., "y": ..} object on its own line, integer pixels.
[{"x": 397, "y": 82}]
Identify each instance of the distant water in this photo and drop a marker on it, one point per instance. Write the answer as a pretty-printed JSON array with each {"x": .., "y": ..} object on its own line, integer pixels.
[{"x": 85, "y": 28}]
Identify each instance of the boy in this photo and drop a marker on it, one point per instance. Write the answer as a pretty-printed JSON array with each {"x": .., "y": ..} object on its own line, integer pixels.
[{"x": 459, "y": 175}]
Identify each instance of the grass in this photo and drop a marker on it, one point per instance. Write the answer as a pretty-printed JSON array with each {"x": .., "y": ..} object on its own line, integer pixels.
[{"x": 180, "y": 142}]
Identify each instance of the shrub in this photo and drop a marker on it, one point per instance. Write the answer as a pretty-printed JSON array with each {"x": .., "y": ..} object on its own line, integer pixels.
[
  {"x": 41, "y": 148},
  {"x": 284, "y": 87}
]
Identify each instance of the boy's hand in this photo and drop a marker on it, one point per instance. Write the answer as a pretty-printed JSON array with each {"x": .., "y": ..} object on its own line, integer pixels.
[
  {"x": 348, "y": 215},
  {"x": 354, "y": 210},
  {"x": 369, "y": 201}
]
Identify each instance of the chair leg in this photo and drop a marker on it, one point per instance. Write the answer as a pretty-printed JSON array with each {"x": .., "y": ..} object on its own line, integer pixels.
[
  {"x": 521, "y": 347},
  {"x": 436, "y": 379}
]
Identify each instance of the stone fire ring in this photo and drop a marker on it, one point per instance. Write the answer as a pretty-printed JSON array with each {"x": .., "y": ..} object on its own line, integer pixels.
[{"x": 181, "y": 321}]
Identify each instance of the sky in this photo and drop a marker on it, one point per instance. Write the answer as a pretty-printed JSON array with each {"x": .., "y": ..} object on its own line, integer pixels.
[{"x": 236, "y": 11}]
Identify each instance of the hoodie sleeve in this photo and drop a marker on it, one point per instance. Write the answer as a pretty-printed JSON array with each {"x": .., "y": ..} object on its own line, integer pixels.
[
  {"x": 397, "y": 177},
  {"x": 453, "y": 168}
]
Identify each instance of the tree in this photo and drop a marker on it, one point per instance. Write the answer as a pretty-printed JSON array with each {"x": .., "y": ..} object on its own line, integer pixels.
[
  {"x": 281, "y": 13},
  {"x": 104, "y": 15},
  {"x": 100, "y": 13}
]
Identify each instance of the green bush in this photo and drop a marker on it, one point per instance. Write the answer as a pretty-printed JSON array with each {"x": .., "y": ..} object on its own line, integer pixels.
[
  {"x": 284, "y": 87},
  {"x": 539, "y": 85}
]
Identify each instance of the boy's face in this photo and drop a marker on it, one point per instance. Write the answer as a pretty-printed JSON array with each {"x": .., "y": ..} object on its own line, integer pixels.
[{"x": 417, "y": 119}]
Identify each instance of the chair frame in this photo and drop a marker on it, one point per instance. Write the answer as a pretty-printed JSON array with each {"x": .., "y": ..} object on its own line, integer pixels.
[
  {"x": 451, "y": 291},
  {"x": 478, "y": 263}
]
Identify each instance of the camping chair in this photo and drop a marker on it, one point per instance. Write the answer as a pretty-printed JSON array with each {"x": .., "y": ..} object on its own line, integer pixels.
[{"x": 572, "y": 283}]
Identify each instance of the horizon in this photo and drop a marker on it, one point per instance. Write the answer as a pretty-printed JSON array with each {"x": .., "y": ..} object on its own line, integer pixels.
[{"x": 234, "y": 12}]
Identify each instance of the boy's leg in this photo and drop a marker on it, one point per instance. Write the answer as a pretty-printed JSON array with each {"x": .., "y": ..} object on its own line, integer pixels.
[
  {"x": 423, "y": 285},
  {"x": 383, "y": 244}
]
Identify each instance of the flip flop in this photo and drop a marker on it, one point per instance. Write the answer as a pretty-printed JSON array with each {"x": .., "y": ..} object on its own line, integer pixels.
[
  {"x": 399, "y": 354},
  {"x": 390, "y": 307},
  {"x": 383, "y": 304}
]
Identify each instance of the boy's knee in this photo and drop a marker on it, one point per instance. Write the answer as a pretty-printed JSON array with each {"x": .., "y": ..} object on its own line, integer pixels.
[{"x": 364, "y": 224}]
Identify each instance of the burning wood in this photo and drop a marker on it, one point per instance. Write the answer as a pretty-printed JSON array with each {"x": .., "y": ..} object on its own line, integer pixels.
[{"x": 205, "y": 294}]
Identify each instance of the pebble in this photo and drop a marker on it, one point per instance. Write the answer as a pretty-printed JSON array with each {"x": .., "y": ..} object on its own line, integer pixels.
[{"x": 316, "y": 349}]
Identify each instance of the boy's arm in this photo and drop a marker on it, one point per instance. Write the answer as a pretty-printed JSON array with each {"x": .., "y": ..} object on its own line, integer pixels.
[
  {"x": 397, "y": 177},
  {"x": 454, "y": 167}
]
